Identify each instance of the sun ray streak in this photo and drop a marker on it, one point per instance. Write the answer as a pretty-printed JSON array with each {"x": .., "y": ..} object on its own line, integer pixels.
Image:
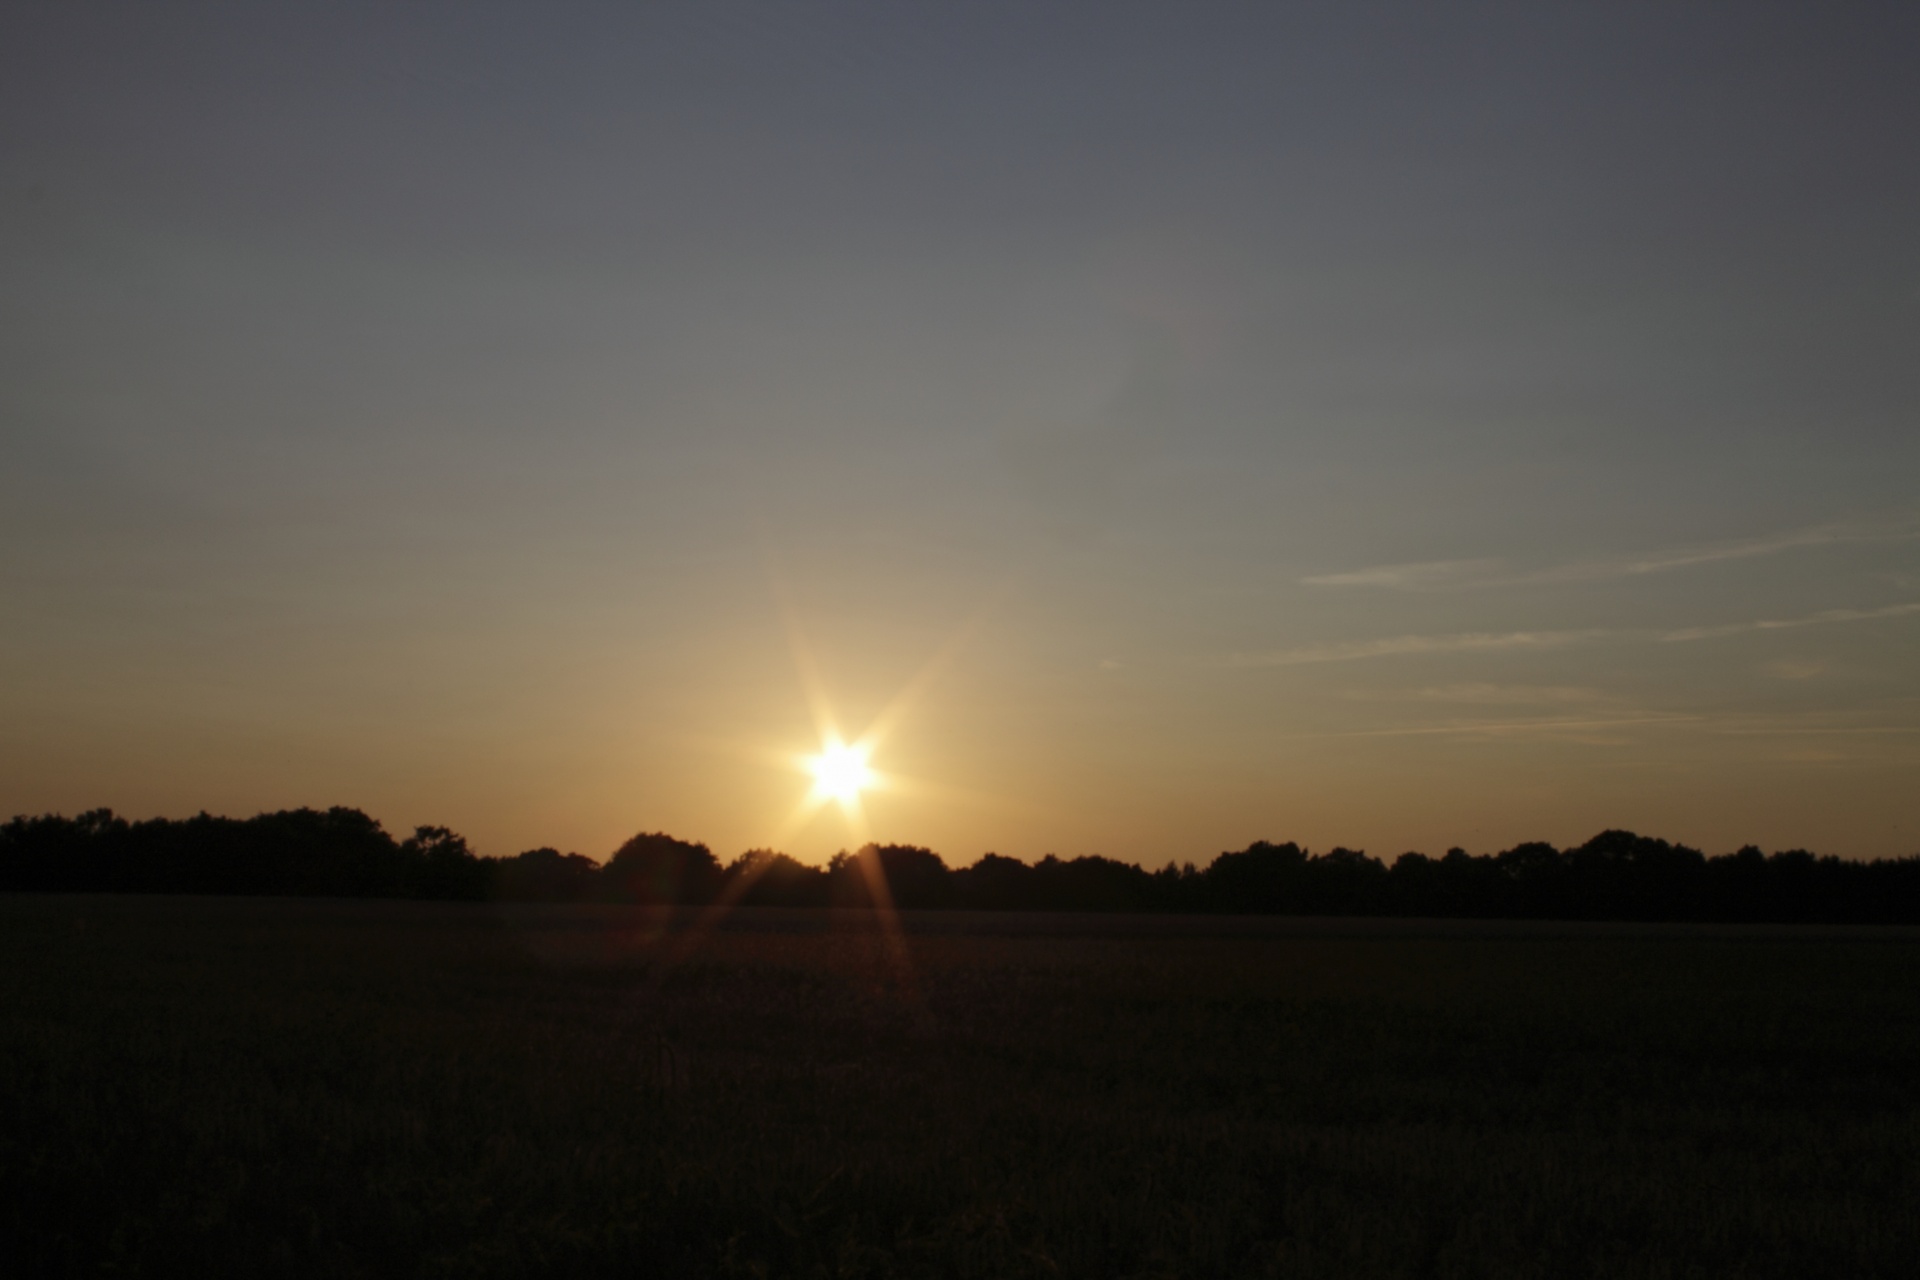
[
  {"x": 812, "y": 686},
  {"x": 902, "y": 702},
  {"x": 893, "y": 935},
  {"x": 689, "y": 940}
]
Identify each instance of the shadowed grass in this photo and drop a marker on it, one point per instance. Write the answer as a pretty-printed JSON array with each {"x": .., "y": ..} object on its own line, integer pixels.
[{"x": 408, "y": 1089}]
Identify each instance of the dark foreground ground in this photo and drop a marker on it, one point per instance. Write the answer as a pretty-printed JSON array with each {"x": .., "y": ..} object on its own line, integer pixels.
[{"x": 308, "y": 1088}]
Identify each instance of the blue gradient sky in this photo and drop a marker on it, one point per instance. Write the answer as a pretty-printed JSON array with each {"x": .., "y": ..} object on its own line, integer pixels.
[{"x": 1391, "y": 425}]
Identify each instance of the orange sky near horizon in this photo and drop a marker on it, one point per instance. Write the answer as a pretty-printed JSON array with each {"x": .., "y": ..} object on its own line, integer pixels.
[{"x": 1397, "y": 429}]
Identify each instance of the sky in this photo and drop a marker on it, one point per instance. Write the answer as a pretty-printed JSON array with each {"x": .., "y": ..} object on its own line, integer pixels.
[{"x": 1385, "y": 425}]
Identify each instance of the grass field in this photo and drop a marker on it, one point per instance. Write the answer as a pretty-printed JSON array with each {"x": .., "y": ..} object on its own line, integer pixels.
[{"x": 316, "y": 1088}]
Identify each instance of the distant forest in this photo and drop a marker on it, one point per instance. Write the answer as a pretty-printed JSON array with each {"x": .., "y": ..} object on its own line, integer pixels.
[{"x": 343, "y": 853}]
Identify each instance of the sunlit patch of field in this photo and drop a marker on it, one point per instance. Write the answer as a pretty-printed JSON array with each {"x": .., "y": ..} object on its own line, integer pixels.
[{"x": 307, "y": 1088}]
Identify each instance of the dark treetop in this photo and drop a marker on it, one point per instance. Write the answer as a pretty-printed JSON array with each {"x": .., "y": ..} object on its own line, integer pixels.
[{"x": 1617, "y": 875}]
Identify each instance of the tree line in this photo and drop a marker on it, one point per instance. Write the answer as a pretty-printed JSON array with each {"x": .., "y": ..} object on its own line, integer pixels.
[{"x": 342, "y": 852}]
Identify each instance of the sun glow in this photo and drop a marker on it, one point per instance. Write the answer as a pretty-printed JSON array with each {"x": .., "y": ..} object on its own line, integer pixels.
[{"x": 840, "y": 772}]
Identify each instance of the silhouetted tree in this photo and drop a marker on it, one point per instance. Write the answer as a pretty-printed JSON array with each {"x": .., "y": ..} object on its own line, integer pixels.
[
  {"x": 338, "y": 853},
  {"x": 1737, "y": 885},
  {"x": 443, "y": 866},
  {"x": 1618, "y": 875},
  {"x": 1260, "y": 878},
  {"x": 1178, "y": 888},
  {"x": 916, "y": 878},
  {"x": 776, "y": 880},
  {"x": 342, "y": 852},
  {"x": 655, "y": 869},
  {"x": 546, "y": 875},
  {"x": 995, "y": 883},
  {"x": 1090, "y": 883},
  {"x": 54, "y": 853}
]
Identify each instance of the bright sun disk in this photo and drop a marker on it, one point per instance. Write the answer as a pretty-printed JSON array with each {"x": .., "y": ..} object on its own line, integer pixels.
[{"x": 840, "y": 772}]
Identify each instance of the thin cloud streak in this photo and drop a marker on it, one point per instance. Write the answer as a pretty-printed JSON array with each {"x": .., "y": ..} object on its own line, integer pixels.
[
  {"x": 1478, "y": 641},
  {"x": 1482, "y": 728},
  {"x": 1467, "y": 642},
  {"x": 1511, "y": 695},
  {"x": 1561, "y": 728},
  {"x": 1460, "y": 575},
  {"x": 1425, "y": 575},
  {"x": 1781, "y": 624},
  {"x": 1484, "y": 694},
  {"x": 1790, "y": 731}
]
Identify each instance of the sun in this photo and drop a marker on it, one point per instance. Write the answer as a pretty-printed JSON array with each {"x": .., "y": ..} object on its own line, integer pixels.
[{"x": 840, "y": 772}]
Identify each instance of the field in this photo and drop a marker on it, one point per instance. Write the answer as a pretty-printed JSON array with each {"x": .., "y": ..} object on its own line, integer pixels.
[{"x": 329, "y": 1088}]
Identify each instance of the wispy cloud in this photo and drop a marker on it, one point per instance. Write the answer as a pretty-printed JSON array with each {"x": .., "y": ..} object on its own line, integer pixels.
[
  {"x": 1471, "y": 641},
  {"x": 1493, "y": 641},
  {"x": 1435, "y": 575},
  {"x": 1605, "y": 729},
  {"x": 1876, "y": 730},
  {"x": 1484, "y": 694},
  {"x": 1781, "y": 624},
  {"x": 1410, "y": 577},
  {"x": 1532, "y": 727},
  {"x": 1510, "y": 695},
  {"x": 1795, "y": 668},
  {"x": 1713, "y": 553}
]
